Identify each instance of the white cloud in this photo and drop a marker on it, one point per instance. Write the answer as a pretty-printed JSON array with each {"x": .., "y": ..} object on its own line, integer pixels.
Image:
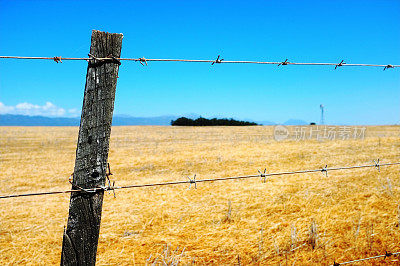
[
  {"x": 48, "y": 109},
  {"x": 74, "y": 112},
  {"x": 6, "y": 109}
]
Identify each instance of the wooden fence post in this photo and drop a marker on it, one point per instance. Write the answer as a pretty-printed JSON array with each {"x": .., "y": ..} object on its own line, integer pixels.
[{"x": 82, "y": 233}]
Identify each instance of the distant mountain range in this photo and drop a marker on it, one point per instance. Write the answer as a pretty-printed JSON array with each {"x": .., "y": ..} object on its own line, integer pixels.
[
  {"x": 118, "y": 120},
  {"x": 295, "y": 122},
  {"x": 24, "y": 120}
]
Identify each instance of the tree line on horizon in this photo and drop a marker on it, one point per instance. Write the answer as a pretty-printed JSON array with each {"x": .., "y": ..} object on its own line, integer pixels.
[{"x": 183, "y": 121}]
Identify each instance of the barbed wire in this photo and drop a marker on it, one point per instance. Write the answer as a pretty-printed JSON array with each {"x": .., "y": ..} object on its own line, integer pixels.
[
  {"x": 386, "y": 255},
  {"x": 144, "y": 61},
  {"x": 193, "y": 180}
]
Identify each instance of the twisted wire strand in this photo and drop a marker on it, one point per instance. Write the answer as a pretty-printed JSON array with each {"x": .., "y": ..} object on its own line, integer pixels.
[
  {"x": 194, "y": 181},
  {"x": 363, "y": 259},
  {"x": 199, "y": 61}
]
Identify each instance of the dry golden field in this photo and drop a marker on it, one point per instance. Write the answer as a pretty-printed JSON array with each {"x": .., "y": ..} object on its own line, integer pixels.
[{"x": 356, "y": 212}]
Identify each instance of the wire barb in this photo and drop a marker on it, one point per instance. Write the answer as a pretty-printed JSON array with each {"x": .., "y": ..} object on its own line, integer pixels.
[
  {"x": 110, "y": 187},
  {"x": 92, "y": 57},
  {"x": 57, "y": 59},
  {"x": 217, "y": 61},
  {"x": 387, "y": 67},
  {"x": 388, "y": 254},
  {"x": 263, "y": 175},
  {"x": 377, "y": 165},
  {"x": 142, "y": 60},
  {"x": 113, "y": 189},
  {"x": 325, "y": 169},
  {"x": 192, "y": 181},
  {"x": 109, "y": 170},
  {"x": 284, "y": 63},
  {"x": 340, "y": 64}
]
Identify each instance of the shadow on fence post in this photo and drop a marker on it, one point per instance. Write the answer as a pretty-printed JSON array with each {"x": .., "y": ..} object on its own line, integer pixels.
[{"x": 82, "y": 233}]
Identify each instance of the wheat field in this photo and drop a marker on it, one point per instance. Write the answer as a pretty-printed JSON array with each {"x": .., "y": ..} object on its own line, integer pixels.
[{"x": 353, "y": 213}]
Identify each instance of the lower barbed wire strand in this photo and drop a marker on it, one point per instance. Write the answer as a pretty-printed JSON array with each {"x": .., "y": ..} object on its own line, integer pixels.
[
  {"x": 105, "y": 188},
  {"x": 364, "y": 259}
]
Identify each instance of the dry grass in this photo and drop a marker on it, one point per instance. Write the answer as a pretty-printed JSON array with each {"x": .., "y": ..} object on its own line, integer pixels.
[{"x": 306, "y": 219}]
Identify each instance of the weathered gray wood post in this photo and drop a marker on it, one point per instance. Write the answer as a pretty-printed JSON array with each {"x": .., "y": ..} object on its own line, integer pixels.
[{"x": 82, "y": 233}]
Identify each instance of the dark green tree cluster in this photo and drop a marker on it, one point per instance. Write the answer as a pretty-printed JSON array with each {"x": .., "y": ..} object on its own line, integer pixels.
[{"x": 183, "y": 121}]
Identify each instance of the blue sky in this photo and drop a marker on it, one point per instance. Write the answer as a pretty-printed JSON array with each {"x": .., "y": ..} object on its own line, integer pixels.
[{"x": 302, "y": 31}]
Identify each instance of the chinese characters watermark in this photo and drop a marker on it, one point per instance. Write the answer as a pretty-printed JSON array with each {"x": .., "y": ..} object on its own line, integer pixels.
[{"x": 320, "y": 133}]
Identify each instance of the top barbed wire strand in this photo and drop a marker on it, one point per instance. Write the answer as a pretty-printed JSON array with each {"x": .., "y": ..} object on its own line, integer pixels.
[
  {"x": 217, "y": 61},
  {"x": 194, "y": 181}
]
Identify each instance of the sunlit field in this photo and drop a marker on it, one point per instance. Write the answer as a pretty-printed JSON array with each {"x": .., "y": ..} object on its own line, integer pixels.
[{"x": 354, "y": 213}]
